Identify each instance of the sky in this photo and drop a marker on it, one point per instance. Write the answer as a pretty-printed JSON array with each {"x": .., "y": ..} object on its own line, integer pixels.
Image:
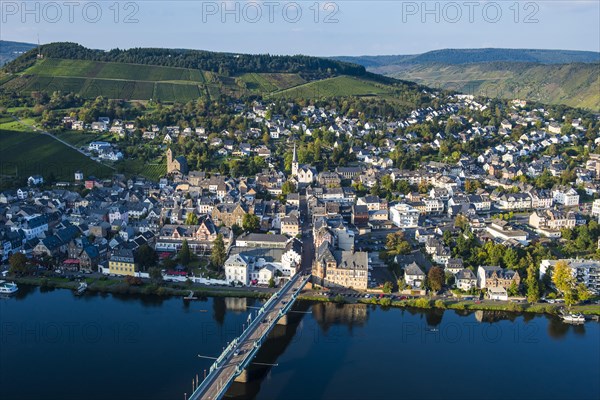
[{"x": 344, "y": 27}]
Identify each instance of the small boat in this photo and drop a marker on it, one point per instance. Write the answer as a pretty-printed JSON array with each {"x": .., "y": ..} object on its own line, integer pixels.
[
  {"x": 8, "y": 287},
  {"x": 573, "y": 318},
  {"x": 432, "y": 330},
  {"x": 190, "y": 296},
  {"x": 81, "y": 288}
]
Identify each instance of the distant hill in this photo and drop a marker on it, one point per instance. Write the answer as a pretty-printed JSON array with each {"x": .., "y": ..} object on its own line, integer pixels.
[
  {"x": 469, "y": 56},
  {"x": 11, "y": 50},
  {"x": 548, "y": 76},
  {"x": 183, "y": 75}
]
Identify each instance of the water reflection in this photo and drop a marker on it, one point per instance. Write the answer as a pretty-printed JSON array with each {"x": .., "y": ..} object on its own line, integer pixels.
[
  {"x": 330, "y": 314},
  {"x": 278, "y": 341}
]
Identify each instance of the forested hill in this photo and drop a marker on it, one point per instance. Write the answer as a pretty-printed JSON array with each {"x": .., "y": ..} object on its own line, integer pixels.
[
  {"x": 11, "y": 50},
  {"x": 222, "y": 63},
  {"x": 469, "y": 56}
]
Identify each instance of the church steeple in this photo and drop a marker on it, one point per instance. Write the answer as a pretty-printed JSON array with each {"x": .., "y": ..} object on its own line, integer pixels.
[{"x": 294, "y": 162}]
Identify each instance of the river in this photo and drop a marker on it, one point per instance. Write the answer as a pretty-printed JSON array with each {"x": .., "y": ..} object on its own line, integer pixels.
[{"x": 55, "y": 345}]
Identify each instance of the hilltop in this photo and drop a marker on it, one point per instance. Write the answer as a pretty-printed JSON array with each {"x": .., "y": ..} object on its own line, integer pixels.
[
  {"x": 548, "y": 76},
  {"x": 176, "y": 75}
]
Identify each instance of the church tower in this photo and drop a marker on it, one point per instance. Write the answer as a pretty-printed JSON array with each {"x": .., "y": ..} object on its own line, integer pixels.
[
  {"x": 294, "y": 163},
  {"x": 169, "y": 160}
]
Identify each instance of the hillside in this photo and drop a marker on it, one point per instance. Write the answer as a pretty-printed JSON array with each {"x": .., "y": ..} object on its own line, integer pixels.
[
  {"x": 469, "y": 56},
  {"x": 191, "y": 74},
  {"x": 11, "y": 50},
  {"x": 548, "y": 76}
]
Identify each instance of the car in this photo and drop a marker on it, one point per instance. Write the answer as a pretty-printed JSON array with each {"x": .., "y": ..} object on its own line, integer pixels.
[{"x": 237, "y": 352}]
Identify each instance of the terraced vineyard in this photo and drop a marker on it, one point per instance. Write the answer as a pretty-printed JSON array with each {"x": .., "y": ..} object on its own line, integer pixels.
[
  {"x": 336, "y": 87},
  {"x": 91, "y": 79},
  {"x": 114, "y": 80}
]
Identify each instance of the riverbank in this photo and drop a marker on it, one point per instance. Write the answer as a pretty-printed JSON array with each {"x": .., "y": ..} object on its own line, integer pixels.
[{"x": 118, "y": 286}]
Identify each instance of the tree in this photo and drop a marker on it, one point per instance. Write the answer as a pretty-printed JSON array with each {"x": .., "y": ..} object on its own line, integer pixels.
[
  {"x": 564, "y": 281},
  {"x": 533, "y": 286},
  {"x": 146, "y": 257},
  {"x": 250, "y": 223},
  {"x": 155, "y": 274},
  {"x": 191, "y": 219},
  {"x": 388, "y": 287},
  {"x": 217, "y": 257},
  {"x": 287, "y": 188},
  {"x": 513, "y": 289},
  {"x": 271, "y": 282},
  {"x": 583, "y": 293},
  {"x": 18, "y": 263},
  {"x": 184, "y": 253},
  {"x": 435, "y": 278}
]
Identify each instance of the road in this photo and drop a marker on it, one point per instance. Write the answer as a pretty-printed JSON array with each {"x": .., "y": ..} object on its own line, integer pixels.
[
  {"x": 308, "y": 247},
  {"x": 236, "y": 356},
  {"x": 36, "y": 129}
]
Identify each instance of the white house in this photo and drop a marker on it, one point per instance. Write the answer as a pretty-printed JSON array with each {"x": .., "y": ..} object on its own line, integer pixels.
[
  {"x": 404, "y": 216},
  {"x": 566, "y": 196},
  {"x": 413, "y": 275}
]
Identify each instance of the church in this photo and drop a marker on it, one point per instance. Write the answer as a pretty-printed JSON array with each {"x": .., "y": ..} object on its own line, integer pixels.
[
  {"x": 177, "y": 164},
  {"x": 304, "y": 174}
]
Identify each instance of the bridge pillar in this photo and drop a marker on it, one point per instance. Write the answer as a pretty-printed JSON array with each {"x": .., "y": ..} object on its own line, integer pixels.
[
  {"x": 243, "y": 377},
  {"x": 283, "y": 320}
]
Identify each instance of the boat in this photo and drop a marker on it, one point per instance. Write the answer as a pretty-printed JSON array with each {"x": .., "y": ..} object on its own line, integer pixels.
[
  {"x": 81, "y": 289},
  {"x": 190, "y": 296},
  {"x": 573, "y": 318},
  {"x": 8, "y": 287}
]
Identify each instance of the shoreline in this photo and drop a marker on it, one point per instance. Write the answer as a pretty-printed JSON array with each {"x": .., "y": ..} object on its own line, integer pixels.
[{"x": 178, "y": 289}]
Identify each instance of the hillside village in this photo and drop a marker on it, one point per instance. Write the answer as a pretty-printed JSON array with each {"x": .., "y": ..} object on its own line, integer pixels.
[{"x": 479, "y": 221}]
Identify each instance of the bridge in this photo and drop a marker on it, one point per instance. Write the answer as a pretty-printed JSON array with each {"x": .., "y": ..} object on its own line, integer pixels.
[{"x": 232, "y": 364}]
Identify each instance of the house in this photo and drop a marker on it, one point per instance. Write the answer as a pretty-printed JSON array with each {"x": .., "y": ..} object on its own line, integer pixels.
[
  {"x": 465, "y": 279},
  {"x": 550, "y": 222},
  {"x": 35, "y": 180},
  {"x": 413, "y": 275},
  {"x": 404, "y": 216},
  {"x": 502, "y": 230},
  {"x": 290, "y": 226},
  {"x": 122, "y": 263},
  {"x": 566, "y": 196},
  {"x": 347, "y": 269},
  {"x": 497, "y": 293},
  {"x": 495, "y": 276}
]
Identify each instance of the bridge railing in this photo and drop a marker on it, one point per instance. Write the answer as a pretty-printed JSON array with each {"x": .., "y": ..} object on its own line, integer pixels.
[{"x": 214, "y": 368}]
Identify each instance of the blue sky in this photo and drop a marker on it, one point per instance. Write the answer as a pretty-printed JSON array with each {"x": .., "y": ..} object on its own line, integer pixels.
[{"x": 285, "y": 27}]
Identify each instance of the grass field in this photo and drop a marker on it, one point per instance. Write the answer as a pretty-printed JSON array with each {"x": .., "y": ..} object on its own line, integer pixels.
[
  {"x": 25, "y": 153},
  {"x": 335, "y": 87}
]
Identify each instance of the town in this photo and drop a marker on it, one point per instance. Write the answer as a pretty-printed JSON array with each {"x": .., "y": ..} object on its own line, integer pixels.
[{"x": 468, "y": 199}]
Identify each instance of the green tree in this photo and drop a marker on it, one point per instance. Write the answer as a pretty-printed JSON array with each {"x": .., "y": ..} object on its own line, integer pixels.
[
  {"x": 564, "y": 281},
  {"x": 191, "y": 219},
  {"x": 513, "y": 289},
  {"x": 155, "y": 274},
  {"x": 435, "y": 278},
  {"x": 217, "y": 256},
  {"x": 146, "y": 257},
  {"x": 287, "y": 188},
  {"x": 271, "y": 282},
  {"x": 184, "y": 253},
  {"x": 250, "y": 222},
  {"x": 583, "y": 293},
  {"x": 388, "y": 287},
  {"x": 532, "y": 284},
  {"x": 18, "y": 263}
]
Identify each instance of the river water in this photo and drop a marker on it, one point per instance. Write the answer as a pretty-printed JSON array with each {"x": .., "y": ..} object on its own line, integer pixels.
[{"x": 55, "y": 345}]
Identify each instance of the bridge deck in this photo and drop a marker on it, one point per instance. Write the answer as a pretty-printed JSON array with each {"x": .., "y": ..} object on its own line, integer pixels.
[{"x": 229, "y": 365}]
